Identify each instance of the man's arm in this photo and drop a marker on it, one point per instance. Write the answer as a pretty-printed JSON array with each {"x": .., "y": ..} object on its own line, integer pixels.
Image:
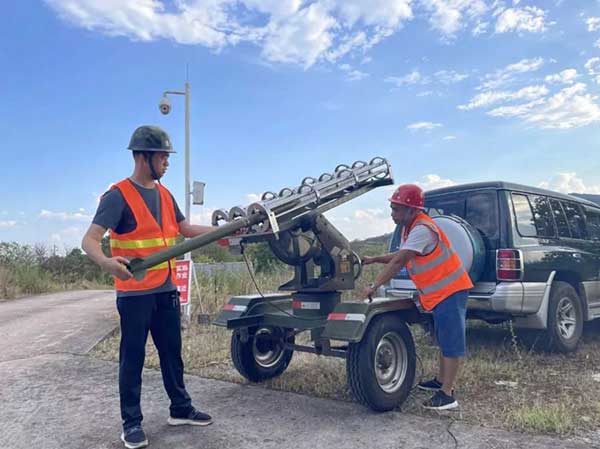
[
  {"x": 92, "y": 245},
  {"x": 386, "y": 258},
  {"x": 398, "y": 260},
  {"x": 189, "y": 230}
]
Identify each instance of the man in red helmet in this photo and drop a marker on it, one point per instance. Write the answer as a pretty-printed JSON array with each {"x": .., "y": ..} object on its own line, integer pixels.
[{"x": 441, "y": 281}]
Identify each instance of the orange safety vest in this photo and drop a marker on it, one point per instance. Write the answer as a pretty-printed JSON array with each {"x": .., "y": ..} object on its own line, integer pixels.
[
  {"x": 440, "y": 273},
  {"x": 147, "y": 237}
]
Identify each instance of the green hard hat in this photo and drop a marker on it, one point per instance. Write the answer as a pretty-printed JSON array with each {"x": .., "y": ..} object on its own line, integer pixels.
[{"x": 150, "y": 138}]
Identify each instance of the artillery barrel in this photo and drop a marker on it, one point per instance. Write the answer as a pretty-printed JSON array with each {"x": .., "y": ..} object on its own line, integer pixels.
[{"x": 138, "y": 266}]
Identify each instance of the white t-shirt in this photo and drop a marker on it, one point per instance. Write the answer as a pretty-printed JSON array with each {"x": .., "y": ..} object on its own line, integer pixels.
[{"x": 420, "y": 239}]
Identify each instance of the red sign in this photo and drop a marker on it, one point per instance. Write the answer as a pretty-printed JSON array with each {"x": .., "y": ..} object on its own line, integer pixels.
[{"x": 183, "y": 280}]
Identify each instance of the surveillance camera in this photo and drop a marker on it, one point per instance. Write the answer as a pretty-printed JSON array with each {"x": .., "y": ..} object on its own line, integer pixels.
[{"x": 164, "y": 105}]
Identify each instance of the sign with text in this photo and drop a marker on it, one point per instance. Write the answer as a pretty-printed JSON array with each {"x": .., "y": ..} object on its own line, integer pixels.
[{"x": 183, "y": 280}]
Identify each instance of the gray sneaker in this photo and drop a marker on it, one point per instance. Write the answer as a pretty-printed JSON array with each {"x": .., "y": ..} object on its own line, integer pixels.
[
  {"x": 441, "y": 401},
  {"x": 430, "y": 385},
  {"x": 193, "y": 418},
  {"x": 134, "y": 437}
]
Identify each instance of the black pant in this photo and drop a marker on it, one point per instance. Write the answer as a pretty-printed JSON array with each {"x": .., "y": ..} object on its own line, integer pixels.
[{"x": 159, "y": 314}]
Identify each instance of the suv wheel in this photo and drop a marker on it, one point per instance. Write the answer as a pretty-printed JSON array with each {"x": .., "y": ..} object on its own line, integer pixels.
[{"x": 565, "y": 318}]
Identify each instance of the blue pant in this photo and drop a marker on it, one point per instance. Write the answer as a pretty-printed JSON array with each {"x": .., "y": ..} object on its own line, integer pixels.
[
  {"x": 449, "y": 321},
  {"x": 159, "y": 314}
]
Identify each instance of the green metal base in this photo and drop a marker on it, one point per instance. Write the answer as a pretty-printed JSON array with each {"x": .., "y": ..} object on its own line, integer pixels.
[{"x": 347, "y": 321}]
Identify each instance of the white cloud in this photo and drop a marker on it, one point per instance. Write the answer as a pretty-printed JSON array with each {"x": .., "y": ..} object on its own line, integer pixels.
[
  {"x": 65, "y": 216},
  {"x": 597, "y": 43},
  {"x": 301, "y": 38},
  {"x": 7, "y": 223},
  {"x": 427, "y": 126},
  {"x": 413, "y": 77},
  {"x": 449, "y": 138},
  {"x": 331, "y": 106},
  {"x": 566, "y": 77},
  {"x": 571, "y": 107},
  {"x": 451, "y": 16},
  {"x": 365, "y": 223},
  {"x": 70, "y": 237},
  {"x": 593, "y": 67},
  {"x": 507, "y": 74},
  {"x": 488, "y": 98},
  {"x": 432, "y": 181},
  {"x": 593, "y": 23},
  {"x": 480, "y": 28},
  {"x": 569, "y": 183},
  {"x": 450, "y": 76},
  {"x": 204, "y": 217},
  {"x": 353, "y": 74},
  {"x": 529, "y": 19},
  {"x": 252, "y": 197},
  {"x": 286, "y": 31}
]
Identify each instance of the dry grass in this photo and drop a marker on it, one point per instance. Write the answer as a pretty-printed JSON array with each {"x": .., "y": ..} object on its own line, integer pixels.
[{"x": 506, "y": 381}]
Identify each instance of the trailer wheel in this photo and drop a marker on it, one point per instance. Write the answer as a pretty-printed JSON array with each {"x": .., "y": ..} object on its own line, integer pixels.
[
  {"x": 381, "y": 367},
  {"x": 263, "y": 356}
]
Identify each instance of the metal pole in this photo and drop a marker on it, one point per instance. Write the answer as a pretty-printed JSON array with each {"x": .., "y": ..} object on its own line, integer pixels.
[
  {"x": 187, "y": 156},
  {"x": 188, "y": 256}
]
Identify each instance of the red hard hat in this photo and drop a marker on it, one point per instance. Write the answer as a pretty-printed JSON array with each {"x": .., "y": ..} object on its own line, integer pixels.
[{"x": 410, "y": 195}]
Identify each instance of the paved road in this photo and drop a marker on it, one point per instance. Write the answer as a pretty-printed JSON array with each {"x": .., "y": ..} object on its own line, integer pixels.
[{"x": 55, "y": 396}]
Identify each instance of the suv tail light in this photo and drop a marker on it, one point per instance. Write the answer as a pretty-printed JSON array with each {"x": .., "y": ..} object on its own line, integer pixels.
[{"x": 509, "y": 265}]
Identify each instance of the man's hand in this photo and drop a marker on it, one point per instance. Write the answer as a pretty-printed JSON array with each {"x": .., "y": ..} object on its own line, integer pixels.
[
  {"x": 116, "y": 267},
  {"x": 367, "y": 260},
  {"x": 369, "y": 291}
]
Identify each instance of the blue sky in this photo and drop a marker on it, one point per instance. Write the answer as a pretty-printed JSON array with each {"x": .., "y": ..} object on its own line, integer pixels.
[{"x": 448, "y": 91}]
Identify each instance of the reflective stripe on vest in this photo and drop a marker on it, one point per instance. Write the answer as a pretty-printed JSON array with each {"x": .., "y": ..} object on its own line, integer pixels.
[
  {"x": 443, "y": 257},
  {"x": 147, "y": 237},
  {"x": 148, "y": 243},
  {"x": 444, "y": 282},
  {"x": 440, "y": 273}
]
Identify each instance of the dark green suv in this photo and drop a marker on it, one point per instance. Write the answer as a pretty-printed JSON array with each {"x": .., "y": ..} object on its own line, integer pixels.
[{"x": 534, "y": 256}]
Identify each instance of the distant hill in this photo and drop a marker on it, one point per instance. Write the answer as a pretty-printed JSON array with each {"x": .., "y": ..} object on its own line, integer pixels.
[
  {"x": 385, "y": 238},
  {"x": 372, "y": 246},
  {"x": 588, "y": 196}
]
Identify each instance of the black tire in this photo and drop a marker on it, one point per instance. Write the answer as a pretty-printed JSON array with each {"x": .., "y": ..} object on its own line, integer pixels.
[
  {"x": 565, "y": 318},
  {"x": 386, "y": 334},
  {"x": 252, "y": 359}
]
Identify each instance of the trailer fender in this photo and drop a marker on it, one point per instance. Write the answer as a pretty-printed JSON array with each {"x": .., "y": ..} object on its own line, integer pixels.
[
  {"x": 349, "y": 320},
  {"x": 247, "y": 306}
]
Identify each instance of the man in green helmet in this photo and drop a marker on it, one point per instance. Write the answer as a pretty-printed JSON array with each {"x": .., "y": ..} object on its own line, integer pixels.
[{"x": 143, "y": 217}]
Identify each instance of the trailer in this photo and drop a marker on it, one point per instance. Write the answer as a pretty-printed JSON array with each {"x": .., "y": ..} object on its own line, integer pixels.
[{"x": 373, "y": 335}]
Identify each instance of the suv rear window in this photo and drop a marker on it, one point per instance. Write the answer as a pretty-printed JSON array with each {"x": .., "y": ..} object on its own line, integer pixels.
[
  {"x": 479, "y": 209},
  {"x": 575, "y": 220},
  {"x": 524, "y": 215},
  {"x": 542, "y": 215},
  {"x": 592, "y": 216},
  {"x": 560, "y": 219}
]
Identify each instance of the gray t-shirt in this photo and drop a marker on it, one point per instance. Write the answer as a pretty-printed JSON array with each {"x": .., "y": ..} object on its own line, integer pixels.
[
  {"x": 420, "y": 239},
  {"x": 114, "y": 213}
]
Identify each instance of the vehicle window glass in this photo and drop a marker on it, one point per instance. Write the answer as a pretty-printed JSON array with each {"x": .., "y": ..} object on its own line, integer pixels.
[
  {"x": 524, "y": 215},
  {"x": 592, "y": 216},
  {"x": 482, "y": 212},
  {"x": 560, "y": 219},
  {"x": 446, "y": 205},
  {"x": 575, "y": 219},
  {"x": 542, "y": 216}
]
